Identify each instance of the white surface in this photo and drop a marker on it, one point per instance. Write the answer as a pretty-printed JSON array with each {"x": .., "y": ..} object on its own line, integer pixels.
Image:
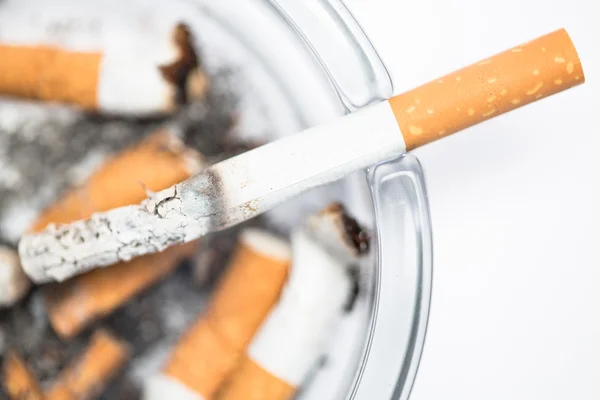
[{"x": 515, "y": 207}]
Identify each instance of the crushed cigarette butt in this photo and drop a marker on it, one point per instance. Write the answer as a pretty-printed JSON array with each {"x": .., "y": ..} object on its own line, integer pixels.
[
  {"x": 295, "y": 334},
  {"x": 210, "y": 349},
  {"x": 153, "y": 72}
]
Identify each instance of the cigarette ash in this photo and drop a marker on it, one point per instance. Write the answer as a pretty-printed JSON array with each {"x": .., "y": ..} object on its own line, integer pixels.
[
  {"x": 27, "y": 330},
  {"x": 151, "y": 322},
  {"x": 43, "y": 154}
]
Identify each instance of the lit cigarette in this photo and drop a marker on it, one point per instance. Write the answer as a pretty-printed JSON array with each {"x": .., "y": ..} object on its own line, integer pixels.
[
  {"x": 13, "y": 281},
  {"x": 296, "y": 332},
  {"x": 249, "y": 184},
  {"x": 18, "y": 380},
  {"x": 133, "y": 79},
  {"x": 158, "y": 162},
  {"x": 210, "y": 350},
  {"x": 154, "y": 164},
  {"x": 86, "y": 377}
]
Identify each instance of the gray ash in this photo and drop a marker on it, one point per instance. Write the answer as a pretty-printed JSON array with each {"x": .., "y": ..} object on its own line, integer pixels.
[
  {"x": 43, "y": 157},
  {"x": 27, "y": 330},
  {"x": 159, "y": 314},
  {"x": 215, "y": 253},
  {"x": 208, "y": 125},
  {"x": 48, "y": 156}
]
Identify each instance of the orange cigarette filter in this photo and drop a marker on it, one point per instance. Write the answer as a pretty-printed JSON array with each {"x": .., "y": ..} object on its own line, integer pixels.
[
  {"x": 486, "y": 89},
  {"x": 253, "y": 382},
  {"x": 50, "y": 74},
  {"x": 86, "y": 377},
  {"x": 18, "y": 380},
  {"x": 158, "y": 161},
  {"x": 211, "y": 349}
]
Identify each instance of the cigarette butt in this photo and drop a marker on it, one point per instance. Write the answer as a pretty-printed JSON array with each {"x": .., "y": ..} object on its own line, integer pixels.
[
  {"x": 210, "y": 350},
  {"x": 486, "y": 89},
  {"x": 155, "y": 163},
  {"x": 18, "y": 380},
  {"x": 294, "y": 335},
  {"x": 90, "y": 372},
  {"x": 111, "y": 80},
  {"x": 14, "y": 284},
  {"x": 74, "y": 304}
]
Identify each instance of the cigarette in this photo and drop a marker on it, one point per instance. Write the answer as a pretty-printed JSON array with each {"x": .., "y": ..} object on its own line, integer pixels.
[
  {"x": 86, "y": 377},
  {"x": 297, "y": 331},
  {"x": 155, "y": 163},
  {"x": 74, "y": 304},
  {"x": 137, "y": 79},
  {"x": 242, "y": 187},
  {"x": 211, "y": 348},
  {"x": 18, "y": 380},
  {"x": 14, "y": 284}
]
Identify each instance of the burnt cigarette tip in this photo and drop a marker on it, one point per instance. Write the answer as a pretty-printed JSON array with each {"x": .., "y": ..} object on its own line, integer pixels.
[{"x": 351, "y": 231}]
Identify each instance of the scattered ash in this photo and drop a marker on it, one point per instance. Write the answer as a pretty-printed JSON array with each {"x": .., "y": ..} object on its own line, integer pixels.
[
  {"x": 27, "y": 330},
  {"x": 157, "y": 316},
  {"x": 42, "y": 157},
  {"x": 44, "y": 154},
  {"x": 215, "y": 253},
  {"x": 48, "y": 153},
  {"x": 150, "y": 323}
]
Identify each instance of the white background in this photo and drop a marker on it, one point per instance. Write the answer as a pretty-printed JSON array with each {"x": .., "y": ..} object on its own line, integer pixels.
[{"x": 515, "y": 206}]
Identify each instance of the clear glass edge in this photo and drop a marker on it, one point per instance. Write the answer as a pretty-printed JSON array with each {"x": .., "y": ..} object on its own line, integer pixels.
[
  {"x": 383, "y": 89},
  {"x": 373, "y": 68},
  {"x": 405, "y": 170}
]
